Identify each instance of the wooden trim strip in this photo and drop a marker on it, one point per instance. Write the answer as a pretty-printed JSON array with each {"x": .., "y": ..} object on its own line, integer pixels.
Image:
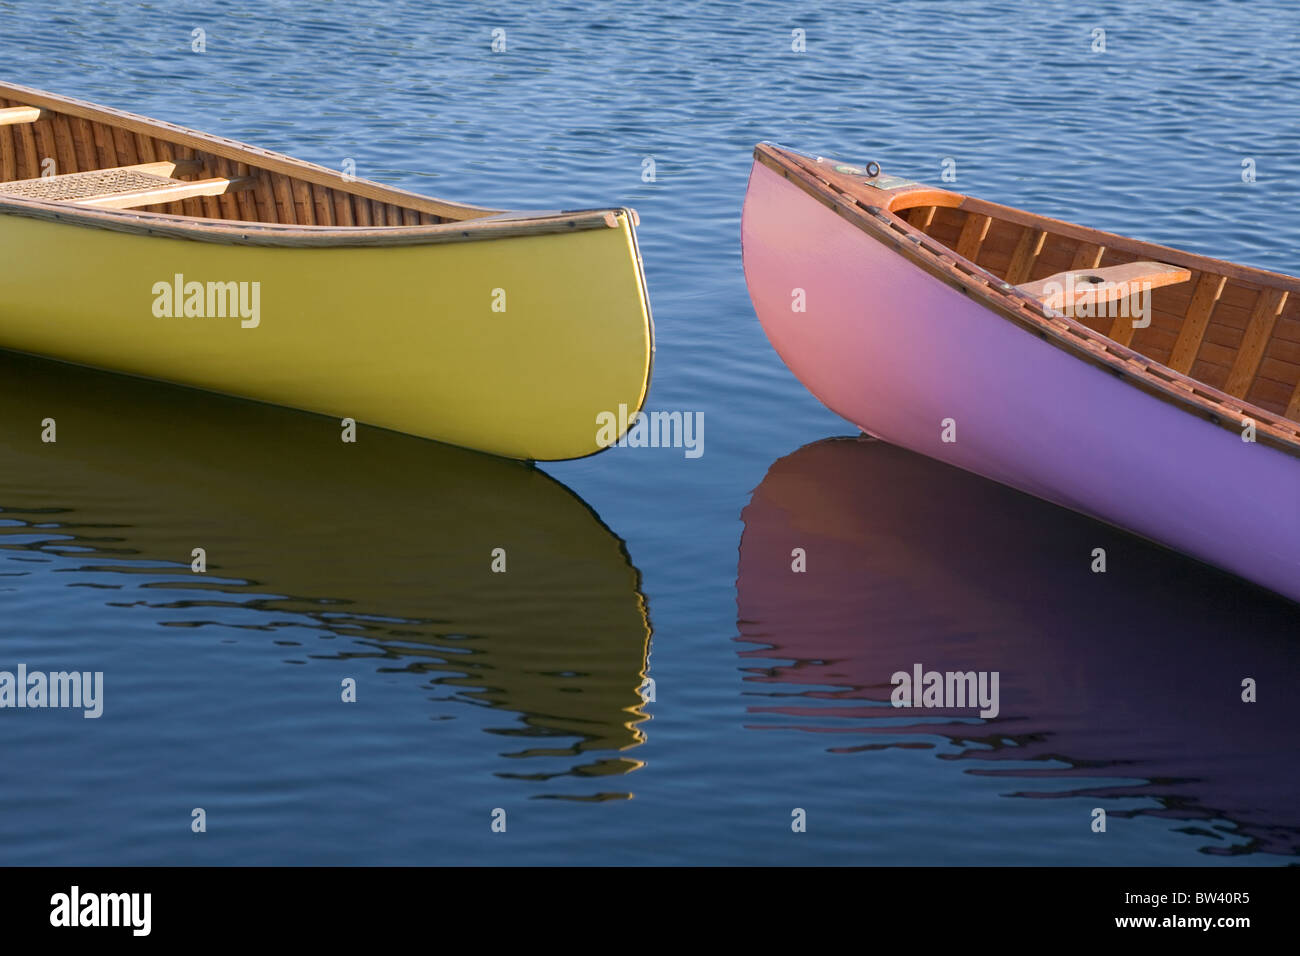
[
  {"x": 1268, "y": 306},
  {"x": 1196, "y": 320}
]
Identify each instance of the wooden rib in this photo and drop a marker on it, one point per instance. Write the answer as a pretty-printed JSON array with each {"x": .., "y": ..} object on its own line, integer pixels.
[
  {"x": 1087, "y": 256},
  {"x": 1195, "y": 322},
  {"x": 148, "y": 152},
  {"x": 162, "y": 194},
  {"x": 1121, "y": 329},
  {"x": 83, "y": 141},
  {"x": 972, "y": 235},
  {"x": 161, "y": 152},
  {"x": 410, "y": 217},
  {"x": 323, "y": 209},
  {"x": 8, "y": 156},
  {"x": 1244, "y": 368},
  {"x": 183, "y": 207},
  {"x": 264, "y": 193},
  {"x": 193, "y": 205},
  {"x": 377, "y": 213},
  {"x": 144, "y": 148},
  {"x": 1026, "y": 254},
  {"x": 227, "y": 201},
  {"x": 125, "y": 146},
  {"x": 25, "y": 146},
  {"x": 105, "y": 151},
  {"x": 245, "y": 199},
  {"x": 65, "y": 148},
  {"x": 16, "y": 115},
  {"x": 921, "y": 216},
  {"x": 1153, "y": 275},
  {"x": 211, "y": 204},
  {"x": 47, "y": 143},
  {"x": 302, "y": 202},
  {"x": 284, "y": 199},
  {"x": 361, "y": 208},
  {"x": 342, "y": 207},
  {"x": 1293, "y": 406}
]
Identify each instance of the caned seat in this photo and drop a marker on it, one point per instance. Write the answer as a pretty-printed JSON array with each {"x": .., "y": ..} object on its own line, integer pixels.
[
  {"x": 97, "y": 182},
  {"x": 123, "y": 187}
]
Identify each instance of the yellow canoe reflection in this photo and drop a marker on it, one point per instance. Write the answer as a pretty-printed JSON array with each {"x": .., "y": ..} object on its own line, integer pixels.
[{"x": 388, "y": 540}]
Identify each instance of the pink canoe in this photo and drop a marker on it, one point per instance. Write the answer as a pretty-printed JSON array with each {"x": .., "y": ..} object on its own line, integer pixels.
[{"x": 1145, "y": 386}]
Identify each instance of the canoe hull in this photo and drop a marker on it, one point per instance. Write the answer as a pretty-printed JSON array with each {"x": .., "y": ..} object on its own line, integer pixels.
[
  {"x": 898, "y": 352},
  {"x": 511, "y": 346}
]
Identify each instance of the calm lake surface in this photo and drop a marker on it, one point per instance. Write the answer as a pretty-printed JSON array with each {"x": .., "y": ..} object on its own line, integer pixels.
[{"x": 521, "y": 691}]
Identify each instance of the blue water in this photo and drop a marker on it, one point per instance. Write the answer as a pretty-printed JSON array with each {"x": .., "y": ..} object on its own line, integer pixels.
[{"x": 224, "y": 695}]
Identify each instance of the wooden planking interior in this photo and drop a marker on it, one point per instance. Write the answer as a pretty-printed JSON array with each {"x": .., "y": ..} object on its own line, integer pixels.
[
  {"x": 1204, "y": 327},
  {"x": 78, "y": 144}
]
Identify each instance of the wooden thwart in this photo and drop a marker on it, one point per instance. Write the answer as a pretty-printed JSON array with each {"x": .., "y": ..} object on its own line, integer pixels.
[
  {"x": 17, "y": 115},
  {"x": 1065, "y": 290},
  {"x": 179, "y": 189}
]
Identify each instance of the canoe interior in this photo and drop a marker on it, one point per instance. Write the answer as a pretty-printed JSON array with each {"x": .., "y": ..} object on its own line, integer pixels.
[
  {"x": 78, "y": 143},
  {"x": 1237, "y": 333}
]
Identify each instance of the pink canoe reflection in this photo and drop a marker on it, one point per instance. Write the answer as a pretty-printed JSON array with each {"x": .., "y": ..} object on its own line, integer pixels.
[{"x": 1132, "y": 674}]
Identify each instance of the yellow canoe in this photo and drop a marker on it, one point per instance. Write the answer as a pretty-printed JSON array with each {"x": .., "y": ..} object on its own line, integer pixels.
[{"x": 146, "y": 248}]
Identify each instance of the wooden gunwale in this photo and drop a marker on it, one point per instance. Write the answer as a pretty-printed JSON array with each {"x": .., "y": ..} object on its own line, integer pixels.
[
  {"x": 1001, "y": 297},
  {"x": 278, "y": 234}
]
